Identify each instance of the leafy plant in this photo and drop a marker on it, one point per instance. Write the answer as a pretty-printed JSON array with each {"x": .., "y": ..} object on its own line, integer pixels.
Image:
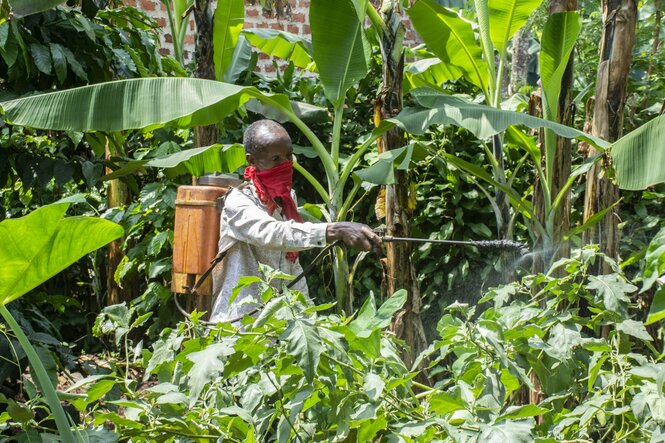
[{"x": 37, "y": 247}]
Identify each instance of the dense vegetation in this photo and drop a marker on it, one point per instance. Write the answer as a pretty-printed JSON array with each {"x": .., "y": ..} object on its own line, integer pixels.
[{"x": 562, "y": 344}]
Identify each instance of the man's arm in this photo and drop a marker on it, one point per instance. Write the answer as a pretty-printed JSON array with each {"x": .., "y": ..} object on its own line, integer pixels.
[{"x": 251, "y": 224}]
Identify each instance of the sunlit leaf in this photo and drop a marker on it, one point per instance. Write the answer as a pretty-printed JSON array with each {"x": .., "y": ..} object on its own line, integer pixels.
[
  {"x": 304, "y": 343},
  {"x": 339, "y": 46},
  {"x": 282, "y": 44},
  {"x": 451, "y": 38},
  {"x": 41, "y": 244},
  {"x": 228, "y": 21},
  {"x": 639, "y": 156}
]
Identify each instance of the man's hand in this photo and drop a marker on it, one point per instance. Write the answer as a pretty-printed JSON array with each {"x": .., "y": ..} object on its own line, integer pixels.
[{"x": 355, "y": 235}]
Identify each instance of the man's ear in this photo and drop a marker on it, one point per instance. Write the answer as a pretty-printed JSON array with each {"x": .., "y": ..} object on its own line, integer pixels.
[{"x": 249, "y": 158}]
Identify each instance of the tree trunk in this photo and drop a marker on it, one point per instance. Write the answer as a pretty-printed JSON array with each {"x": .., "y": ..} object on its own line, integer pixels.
[
  {"x": 203, "y": 135},
  {"x": 519, "y": 67},
  {"x": 116, "y": 195},
  {"x": 401, "y": 274},
  {"x": 619, "y": 19}
]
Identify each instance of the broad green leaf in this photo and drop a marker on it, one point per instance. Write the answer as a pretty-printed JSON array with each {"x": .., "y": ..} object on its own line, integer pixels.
[
  {"x": 657, "y": 309},
  {"x": 430, "y": 72},
  {"x": 438, "y": 108},
  {"x": 241, "y": 60},
  {"x": 23, "y": 8},
  {"x": 282, "y": 44},
  {"x": 508, "y": 431},
  {"x": 339, "y": 46},
  {"x": 208, "y": 366},
  {"x": 444, "y": 403},
  {"x": 516, "y": 412},
  {"x": 382, "y": 171},
  {"x": 654, "y": 260},
  {"x": 634, "y": 328},
  {"x": 373, "y": 386},
  {"x": 195, "y": 161},
  {"x": 612, "y": 291},
  {"x": 42, "y": 58},
  {"x": 43, "y": 243},
  {"x": 304, "y": 343},
  {"x": 385, "y": 313},
  {"x": 369, "y": 318},
  {"x": 228, "y": 21},
  {"x": 557, "y": 43},
  {"x": 506, "y": 17},
  {"x": 639, "y": 156},
  {"x": 136, "y": 104},
  {"x": 451, "y": 38},
  {"x": 59, "y": 61}
]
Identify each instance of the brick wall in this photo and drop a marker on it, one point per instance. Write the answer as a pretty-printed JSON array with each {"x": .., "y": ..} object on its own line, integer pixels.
[{"x": 296, "y": 21}]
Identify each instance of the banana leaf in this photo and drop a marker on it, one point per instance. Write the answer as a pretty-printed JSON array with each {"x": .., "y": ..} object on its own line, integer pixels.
[
  {"x": 452, "y": 39},
  {"x": 145, "y": 103},
  {"x": 195, "y": 161},
  {"x": 639, "y": 156},
  {"x": 506, "y": 17},
  {"x": 438, "y": 108},
  {"x": 339, "y": 46},
  {"x": 228, "y": 21},
  {"x": 429, "y": 72},
  {"x": 282, "y": 44}
]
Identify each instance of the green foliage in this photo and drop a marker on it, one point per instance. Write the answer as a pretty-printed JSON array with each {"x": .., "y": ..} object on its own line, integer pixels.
[
  {"x": 228, "y": 22},
  {"x": 341, "y": 52},
  {"x": 41, "y": 244},
  {"x": 70, "y": 47}
]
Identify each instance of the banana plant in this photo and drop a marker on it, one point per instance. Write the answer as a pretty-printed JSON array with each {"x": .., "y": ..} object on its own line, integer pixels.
[
  {"x": 35, "y": 248},
  {"x": 178, "y": 13}
]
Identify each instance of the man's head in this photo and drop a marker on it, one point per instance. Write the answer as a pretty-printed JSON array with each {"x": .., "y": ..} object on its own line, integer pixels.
[{"x": 267, "y": 144}]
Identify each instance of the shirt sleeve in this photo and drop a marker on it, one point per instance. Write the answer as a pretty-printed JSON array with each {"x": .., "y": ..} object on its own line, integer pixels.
[{"x": 251, "y": 224}]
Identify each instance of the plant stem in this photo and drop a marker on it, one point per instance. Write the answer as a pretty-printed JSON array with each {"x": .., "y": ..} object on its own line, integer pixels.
[
  {"x": 312, "y": 181},
  {"x": 61, "y": 421},
  {"x": 337, "y": 132}
]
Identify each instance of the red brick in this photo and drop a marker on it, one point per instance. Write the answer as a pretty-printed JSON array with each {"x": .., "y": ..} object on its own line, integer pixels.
[
  {"x": 269, "y": 68},
  {"x": 299, "y": 18},
  {"x": 293, "y": 29},
  {"x": 306, "y": 30},
  {"x": 164, "y": 51},
  {"x": 189, "y": 39},
  {"x": 276, "y": 26},
  {"x": 130, "y": 2},
  {"x": 168, "y": 38},
  {"x": 161, "y": 21},
  {"x": 262, "y": 25},
  {"x": 147, "y": 5},
  {"x": 263, "y": 56},
  {"x": 252, "y": 12}
]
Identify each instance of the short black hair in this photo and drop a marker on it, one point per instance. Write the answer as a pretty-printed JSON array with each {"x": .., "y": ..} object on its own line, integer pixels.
[{"x": 261, "y": 134}]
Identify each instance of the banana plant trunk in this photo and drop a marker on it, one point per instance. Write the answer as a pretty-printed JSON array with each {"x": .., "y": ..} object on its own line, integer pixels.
[
  {"x": 619, "y": 20},
  {"x": 560, "y": 174},
  {"x": 203, "y": 135},
  {"x": 401, "y": 273}
]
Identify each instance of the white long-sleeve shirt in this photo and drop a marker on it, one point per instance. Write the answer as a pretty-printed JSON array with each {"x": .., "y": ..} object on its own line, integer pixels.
[{"x": 252, "y": 236}]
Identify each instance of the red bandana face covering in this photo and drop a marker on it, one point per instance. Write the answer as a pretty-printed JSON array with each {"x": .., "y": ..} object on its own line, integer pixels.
[{"x": 276, "y": 183}]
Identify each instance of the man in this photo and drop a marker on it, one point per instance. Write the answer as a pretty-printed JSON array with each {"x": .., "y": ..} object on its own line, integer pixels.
[{"x": 260, "y": 222}]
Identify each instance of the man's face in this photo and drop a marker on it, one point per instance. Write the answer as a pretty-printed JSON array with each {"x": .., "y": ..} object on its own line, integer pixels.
[{"x": 277, "y": 150}]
